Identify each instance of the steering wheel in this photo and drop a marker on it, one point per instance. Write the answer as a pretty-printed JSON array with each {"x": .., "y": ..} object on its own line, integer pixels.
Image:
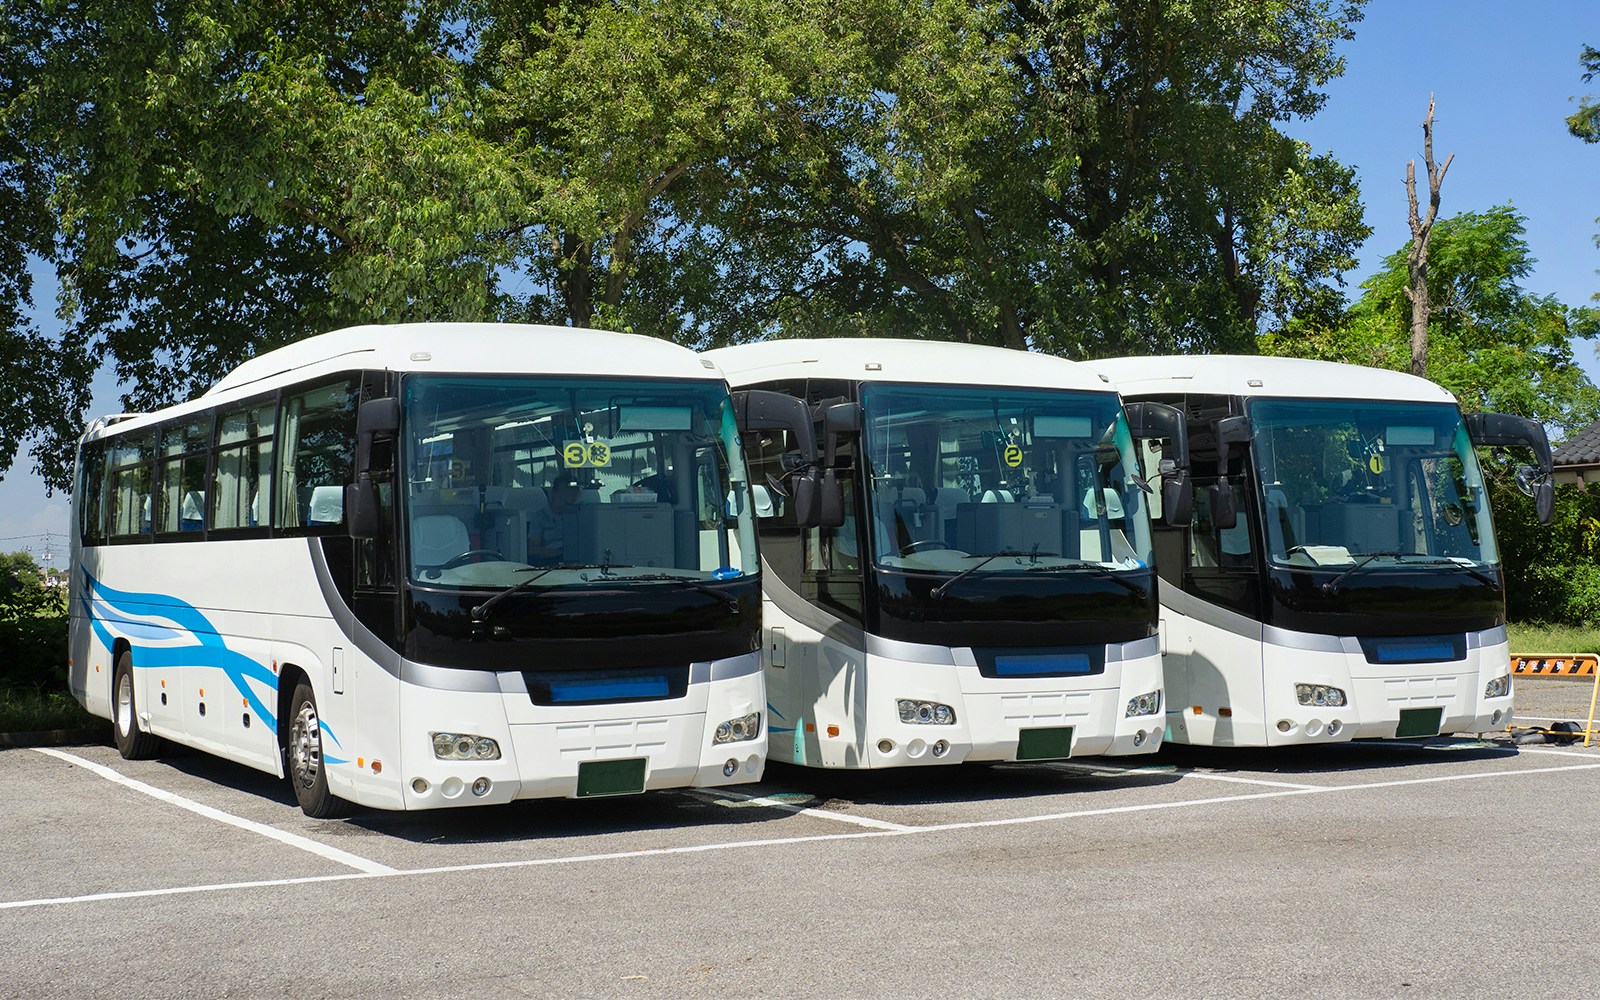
[
  {"x": 471, "y": 555},
  {"x": 922, "y": 544}
]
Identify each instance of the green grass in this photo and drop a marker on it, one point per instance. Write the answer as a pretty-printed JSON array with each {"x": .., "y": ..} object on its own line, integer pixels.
[
  {"x": 30, "y": 711},
  {"x": 1532, "y": 638}
]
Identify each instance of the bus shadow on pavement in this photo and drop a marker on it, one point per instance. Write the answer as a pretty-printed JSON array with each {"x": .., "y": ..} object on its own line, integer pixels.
[
  {"x": 962, "y": 783},
  {"x": 1335, "y": 758}
]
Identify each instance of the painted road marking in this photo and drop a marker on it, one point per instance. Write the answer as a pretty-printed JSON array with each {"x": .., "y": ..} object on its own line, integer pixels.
[
  {"x": 785, "y": 841},
  {"x": 283, "y": 837},
  {"x": 1109, "y": 769},
  {"x": 721, "y": 794}
]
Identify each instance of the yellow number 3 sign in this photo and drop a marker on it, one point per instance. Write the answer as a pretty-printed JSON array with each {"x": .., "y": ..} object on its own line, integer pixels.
[{"x": 577, "y": 455}]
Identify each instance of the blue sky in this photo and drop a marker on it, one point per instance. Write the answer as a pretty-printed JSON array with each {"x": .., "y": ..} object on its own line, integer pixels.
[{"x": 1503, "y": 75}]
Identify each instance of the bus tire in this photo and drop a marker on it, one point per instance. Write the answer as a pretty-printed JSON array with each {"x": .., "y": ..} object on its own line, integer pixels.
[
  {"x": 132, "y": 741},
  {"x": 303, "y": 759}
]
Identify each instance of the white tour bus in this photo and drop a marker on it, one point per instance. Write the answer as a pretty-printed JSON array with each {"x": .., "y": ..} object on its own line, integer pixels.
[
  {"x": 1351, "y": 587},
  {"x": 984, "y": 591},
  {"x": 430, "y": 565}
]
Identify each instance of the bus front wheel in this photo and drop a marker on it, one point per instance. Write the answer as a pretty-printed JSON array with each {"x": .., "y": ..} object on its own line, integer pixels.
[
  {"x": 132, "y": 741},
  {"x": 307, "y": 773}
]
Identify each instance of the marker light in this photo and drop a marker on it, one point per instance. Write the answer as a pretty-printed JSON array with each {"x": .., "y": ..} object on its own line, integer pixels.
[
  {"x": 1148, "y": 703},
  {"x": 745, "y": 727},
  {"x": 464, "y": 746},
  {"x": 1499, "y": 687},
  {"x": 1319, "y": 694},
  {"x": 925, "y": 713}
]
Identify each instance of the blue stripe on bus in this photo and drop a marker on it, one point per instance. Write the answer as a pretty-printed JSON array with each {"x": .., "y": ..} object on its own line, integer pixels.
[
  {"x": 1042, "y": 666},
  {"x": 609, "y": 689},
  {"x": 128, "y": 615}
]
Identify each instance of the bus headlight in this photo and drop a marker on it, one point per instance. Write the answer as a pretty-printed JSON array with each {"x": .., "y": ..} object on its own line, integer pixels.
[
  {"x": 1498, "y": 688},
  {"x": 1319, "y": 694},
  {"x": 1148, "y": 703},
  {"x": 745, "y": 727},
  {"x": 925, "y": 713},
  {"x": 464, "y": 746}
]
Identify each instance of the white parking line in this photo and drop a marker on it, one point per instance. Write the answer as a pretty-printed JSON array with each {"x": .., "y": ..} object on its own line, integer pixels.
[
  {"x": 785, "y": 841},
  {"x": 722, "y": 794},
  {"x": 283, "y": 837},
  {"x": 1181, "y": 772}
]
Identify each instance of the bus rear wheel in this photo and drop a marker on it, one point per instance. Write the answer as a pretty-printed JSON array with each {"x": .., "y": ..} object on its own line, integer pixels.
[
  {"x": 307, "y": 773},
  {"x": 132, "y": 741}
]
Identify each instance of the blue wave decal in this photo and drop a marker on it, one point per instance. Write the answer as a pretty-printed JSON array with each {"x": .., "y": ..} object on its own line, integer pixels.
[
  {"x": 134, "y": 616},
  {"x": 777, "y": 715},
  {"x": 328, "y": 758}
]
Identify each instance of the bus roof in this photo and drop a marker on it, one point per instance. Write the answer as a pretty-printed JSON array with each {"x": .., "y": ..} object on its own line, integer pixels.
[
  {"x": 1258, "y": 376},
  {"x": 495, "y": 348},
  {"x": 885, "y": 360},
  {"x": 472, "y": 347}
]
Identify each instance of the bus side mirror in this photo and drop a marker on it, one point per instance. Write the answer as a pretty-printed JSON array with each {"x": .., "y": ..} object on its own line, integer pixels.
[
  {"x": 375, "y": 416},
  {"x": 361, "y": 508},
  {"x": 1489, "y": 430},
  {"x": 1148, "y": 419},
  {"x": 764, "y": 410},
  {"x": 1177, "y": 500},
  {"x": 1224, "y": 507},
  {"x": 1531, "y": 483},
  {"x": 838, "y": 420}
]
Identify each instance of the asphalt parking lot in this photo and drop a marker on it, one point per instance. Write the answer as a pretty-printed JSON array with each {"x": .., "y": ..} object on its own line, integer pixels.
[{"x": 1454, "y": 867}]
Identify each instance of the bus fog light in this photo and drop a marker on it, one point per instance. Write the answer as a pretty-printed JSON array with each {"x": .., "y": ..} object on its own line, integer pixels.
[
  {"x": 1139, "y": 738},
  {"x": 730, "y": 768},
  {"x": 925, "y": 713},
  {"x": 464, "y": 746},
  {"x": 1499, "y": 687},
  {"x": 419, "y": 785},
  {"x": 1335, "y": 727},
  {"x": 1495, "y": 720},
  {"x": 1284, "y": 726},
  {"x": 745, "y": 727},
  {"x": 481, "y": 787},
  {"x": 941, "y": 748},
  {"x": 1319, "y": 694},
  {"x": 886, "y": 746},
  {"x": 1148, "y": 703}
]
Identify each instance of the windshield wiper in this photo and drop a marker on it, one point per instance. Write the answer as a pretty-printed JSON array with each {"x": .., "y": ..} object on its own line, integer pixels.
[
  {"x": 480, "y": 612},
  {"x": 692, "y": 583},
  {"x": 941, "y": 588},
  {"x": 1332, "y": 585},
  {"x": 1446, "y": 561},
  {"x": 1104, "y": 572}
]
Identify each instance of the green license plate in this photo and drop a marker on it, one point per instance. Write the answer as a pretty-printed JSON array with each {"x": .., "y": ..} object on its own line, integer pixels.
[
  {"x": 1419, "y": 722},
  {"x": 1044, "y": 744},
  {"x": 611, "y": 777}
]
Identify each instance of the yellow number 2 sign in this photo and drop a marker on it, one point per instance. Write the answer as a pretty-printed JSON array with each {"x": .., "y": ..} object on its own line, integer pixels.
[{"x": 1013, "y": 455}]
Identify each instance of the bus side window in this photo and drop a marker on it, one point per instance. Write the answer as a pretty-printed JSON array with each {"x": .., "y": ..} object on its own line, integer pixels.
[
  {"x": 244, "y": 467},
  {"x": 131, "y": 475},
  {"x": 317, "y": 442}
]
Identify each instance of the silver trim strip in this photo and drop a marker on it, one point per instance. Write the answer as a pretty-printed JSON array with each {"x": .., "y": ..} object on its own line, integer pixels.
[
  {"x": 1121, "y": 652},
  {"x": 1210, "y": 614}
]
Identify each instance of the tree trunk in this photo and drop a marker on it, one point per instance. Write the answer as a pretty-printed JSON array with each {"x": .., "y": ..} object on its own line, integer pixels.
[{"x": 1417, "y": 257}]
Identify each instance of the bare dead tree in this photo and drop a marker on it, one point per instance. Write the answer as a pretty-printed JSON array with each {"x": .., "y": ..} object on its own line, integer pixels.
[{"x": 1417, "y": 257}]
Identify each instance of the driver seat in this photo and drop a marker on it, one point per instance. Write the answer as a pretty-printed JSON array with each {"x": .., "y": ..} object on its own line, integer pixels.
[{"x": 438, "y": 538}]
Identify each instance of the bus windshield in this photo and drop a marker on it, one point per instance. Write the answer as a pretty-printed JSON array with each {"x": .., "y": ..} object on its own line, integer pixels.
[
  {"x": 1348, "y": 483},
  {"x": 982, "y": 480},
  {"x": 540, "y": 483}
]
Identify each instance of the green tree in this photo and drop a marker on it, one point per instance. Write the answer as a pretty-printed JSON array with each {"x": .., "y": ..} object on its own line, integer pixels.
[
  {"x": 1084, "y": 178},
  {"x": 23, "y": 593},
  {"x": 1585, "y": 122},
  {"x": 1492, "y": 342}
]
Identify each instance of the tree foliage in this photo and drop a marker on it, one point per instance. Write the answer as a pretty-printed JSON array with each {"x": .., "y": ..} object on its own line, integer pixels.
[
  {"x": 1492, "y": 342},
  {"x": 1585, "y": 122},
  {"x": 1094, "y": 177}
]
